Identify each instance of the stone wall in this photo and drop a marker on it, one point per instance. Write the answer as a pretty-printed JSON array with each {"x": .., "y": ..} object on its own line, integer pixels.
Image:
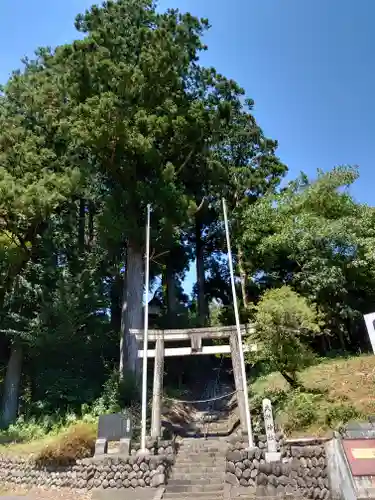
[
  {"x": 302, "y": 469},
  {"x": 110, "y": 471},
  {"x": 160, "y": 447}
]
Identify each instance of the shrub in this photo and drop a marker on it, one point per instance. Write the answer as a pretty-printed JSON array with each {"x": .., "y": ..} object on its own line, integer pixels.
[
  {"x": 285, "y": 323},
  {"x": 76, "y": 443},
  {"x": 341, "y": 414},
  {"x": 301, "y": 410},
  {"x": 28, "y": 430},
  {"x": 115, "y": 395}
]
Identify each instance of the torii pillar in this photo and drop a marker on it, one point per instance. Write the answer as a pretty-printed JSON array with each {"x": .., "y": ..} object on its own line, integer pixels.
[
  {"x": 238, "y": 379},
  {"x": 157, "y": 392}
]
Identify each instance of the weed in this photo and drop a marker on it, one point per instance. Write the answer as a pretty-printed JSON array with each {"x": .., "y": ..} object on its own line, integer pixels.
[
  {"x": 341, "y": 414},
  {"x": 76, "y": 443}
]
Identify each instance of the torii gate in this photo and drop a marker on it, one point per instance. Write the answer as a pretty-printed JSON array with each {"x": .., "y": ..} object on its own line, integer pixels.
[{"x": 196, "y": 336}]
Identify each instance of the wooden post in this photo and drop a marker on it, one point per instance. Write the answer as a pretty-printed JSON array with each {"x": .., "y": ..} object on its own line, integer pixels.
[
  {"x": 157, "y": 388},
  {"x": 237, "y": 373}
]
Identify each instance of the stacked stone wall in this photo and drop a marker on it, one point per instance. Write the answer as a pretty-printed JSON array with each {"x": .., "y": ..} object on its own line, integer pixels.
[
  {"x": 302, "y": 469},
  {"x": 110, "y": 471}
]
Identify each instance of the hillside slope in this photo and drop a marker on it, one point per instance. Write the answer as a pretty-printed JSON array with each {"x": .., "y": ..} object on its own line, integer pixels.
[{"x": 336, "y": 391}]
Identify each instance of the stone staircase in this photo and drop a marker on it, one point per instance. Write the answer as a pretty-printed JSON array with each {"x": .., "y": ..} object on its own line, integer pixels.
[{"x": 199, "y": 470}]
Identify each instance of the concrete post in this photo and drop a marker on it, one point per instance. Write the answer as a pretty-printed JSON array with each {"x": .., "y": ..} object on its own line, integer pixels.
[
  {"x": 237, "y": 372},
  {"x": 157, "y": 388}
]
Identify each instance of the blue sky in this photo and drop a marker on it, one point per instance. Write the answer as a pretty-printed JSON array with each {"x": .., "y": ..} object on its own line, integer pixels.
[{"x": 308, "y": 64}]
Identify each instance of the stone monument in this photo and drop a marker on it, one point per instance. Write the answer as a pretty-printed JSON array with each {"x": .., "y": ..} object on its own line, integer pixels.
[
  {"x": 272, "y": 455},
  {"x": 114, "y": 427}
]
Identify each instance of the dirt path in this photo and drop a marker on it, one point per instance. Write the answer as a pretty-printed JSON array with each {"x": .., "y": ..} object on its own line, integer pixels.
[
  {"x": 67, "y": 494},
  {"x": 43, "y": 494}
]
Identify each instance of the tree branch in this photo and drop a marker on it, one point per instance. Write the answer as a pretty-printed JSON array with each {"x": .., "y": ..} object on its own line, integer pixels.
[{"x": 201, "y": 205}]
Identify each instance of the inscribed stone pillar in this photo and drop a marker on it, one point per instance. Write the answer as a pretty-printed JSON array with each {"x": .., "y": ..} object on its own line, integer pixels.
[
  {"x": 370, "y": 325},
  {"x": 237, "y": 373},
  {"x": 157, "y": 388},
  {"x": 272, "y": 455}
]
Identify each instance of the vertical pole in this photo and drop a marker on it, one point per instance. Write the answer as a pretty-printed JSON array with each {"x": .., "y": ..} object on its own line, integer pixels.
[
  {"x": 157, "y": 388},
  {"x": 238, "y": 328},
  {"x": 145, "y": 332}
]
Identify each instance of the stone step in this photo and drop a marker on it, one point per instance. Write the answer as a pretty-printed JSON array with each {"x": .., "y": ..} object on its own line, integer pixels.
[
  {"x": 214, "y": 481},
  {"x": 200, "y": 454},
  {"x": 185, "y": 485},
  {"x": 203, "y": 442},
  {"x": 190, "y": 451},
  {"x": 197, "y": 470},
  {"x": 199, "y": 474},
  {"x": 203, "y": 495},
  {"x": 206, "y": 444},
  {"x": 196, "y": 478},
  {"x": 200, "y": 460},
  {"x": 204, "y": 466},
  {"x": 185, "y": 451}
]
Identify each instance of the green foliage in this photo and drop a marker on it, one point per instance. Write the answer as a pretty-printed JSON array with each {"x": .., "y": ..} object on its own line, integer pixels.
[
  {"x": 278, "y": 398},
  {"x": 341, "y": 413},
  {"x": 93, "y": 131},
  {"x": 116, "y": 395},
  {"x": 31, "y": 429},
  {"x": 316, "y": 238},
  {"x": 284, "y": 326},
  {"x": 301, "y": 410}
]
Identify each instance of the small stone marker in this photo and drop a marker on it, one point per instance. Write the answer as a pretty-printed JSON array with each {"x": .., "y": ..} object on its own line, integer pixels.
[
  {"x": 114, "y": 427},
  {"x": 370, "y": 325},
  {"x": 101, "y": 447},
  {"x": 272, "y": 455}
]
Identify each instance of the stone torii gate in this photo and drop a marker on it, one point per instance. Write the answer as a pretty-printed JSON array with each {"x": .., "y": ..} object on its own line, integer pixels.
[{"x": 196, "y": 336}]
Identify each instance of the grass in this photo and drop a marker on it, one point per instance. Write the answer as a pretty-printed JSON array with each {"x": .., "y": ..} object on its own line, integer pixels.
[
  {"x": 62, "y": 448},
  {"x": 32, "y": 438},
  {"x": 337, "y": 390}
]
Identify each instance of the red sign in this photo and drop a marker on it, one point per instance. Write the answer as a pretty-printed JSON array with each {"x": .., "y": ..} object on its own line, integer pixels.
[{"x": 360, "y": 454}]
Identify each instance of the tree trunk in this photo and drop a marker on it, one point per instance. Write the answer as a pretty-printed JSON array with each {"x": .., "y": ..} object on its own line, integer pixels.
[
  {"x": 199, "y": 253},
  {"x": 170, "y": 281},
  {"x": 12, "y": 386},
  {"x": 116, "y": 300},
  {"x": 323, "y": 345},
  {"x": 292, "y": 380},
  {"x": 132, "y": 309},
  {"x": 329, "y": 343},
  {"x": 243, "y": 278},
  {"x": 341, "y": 339}
]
